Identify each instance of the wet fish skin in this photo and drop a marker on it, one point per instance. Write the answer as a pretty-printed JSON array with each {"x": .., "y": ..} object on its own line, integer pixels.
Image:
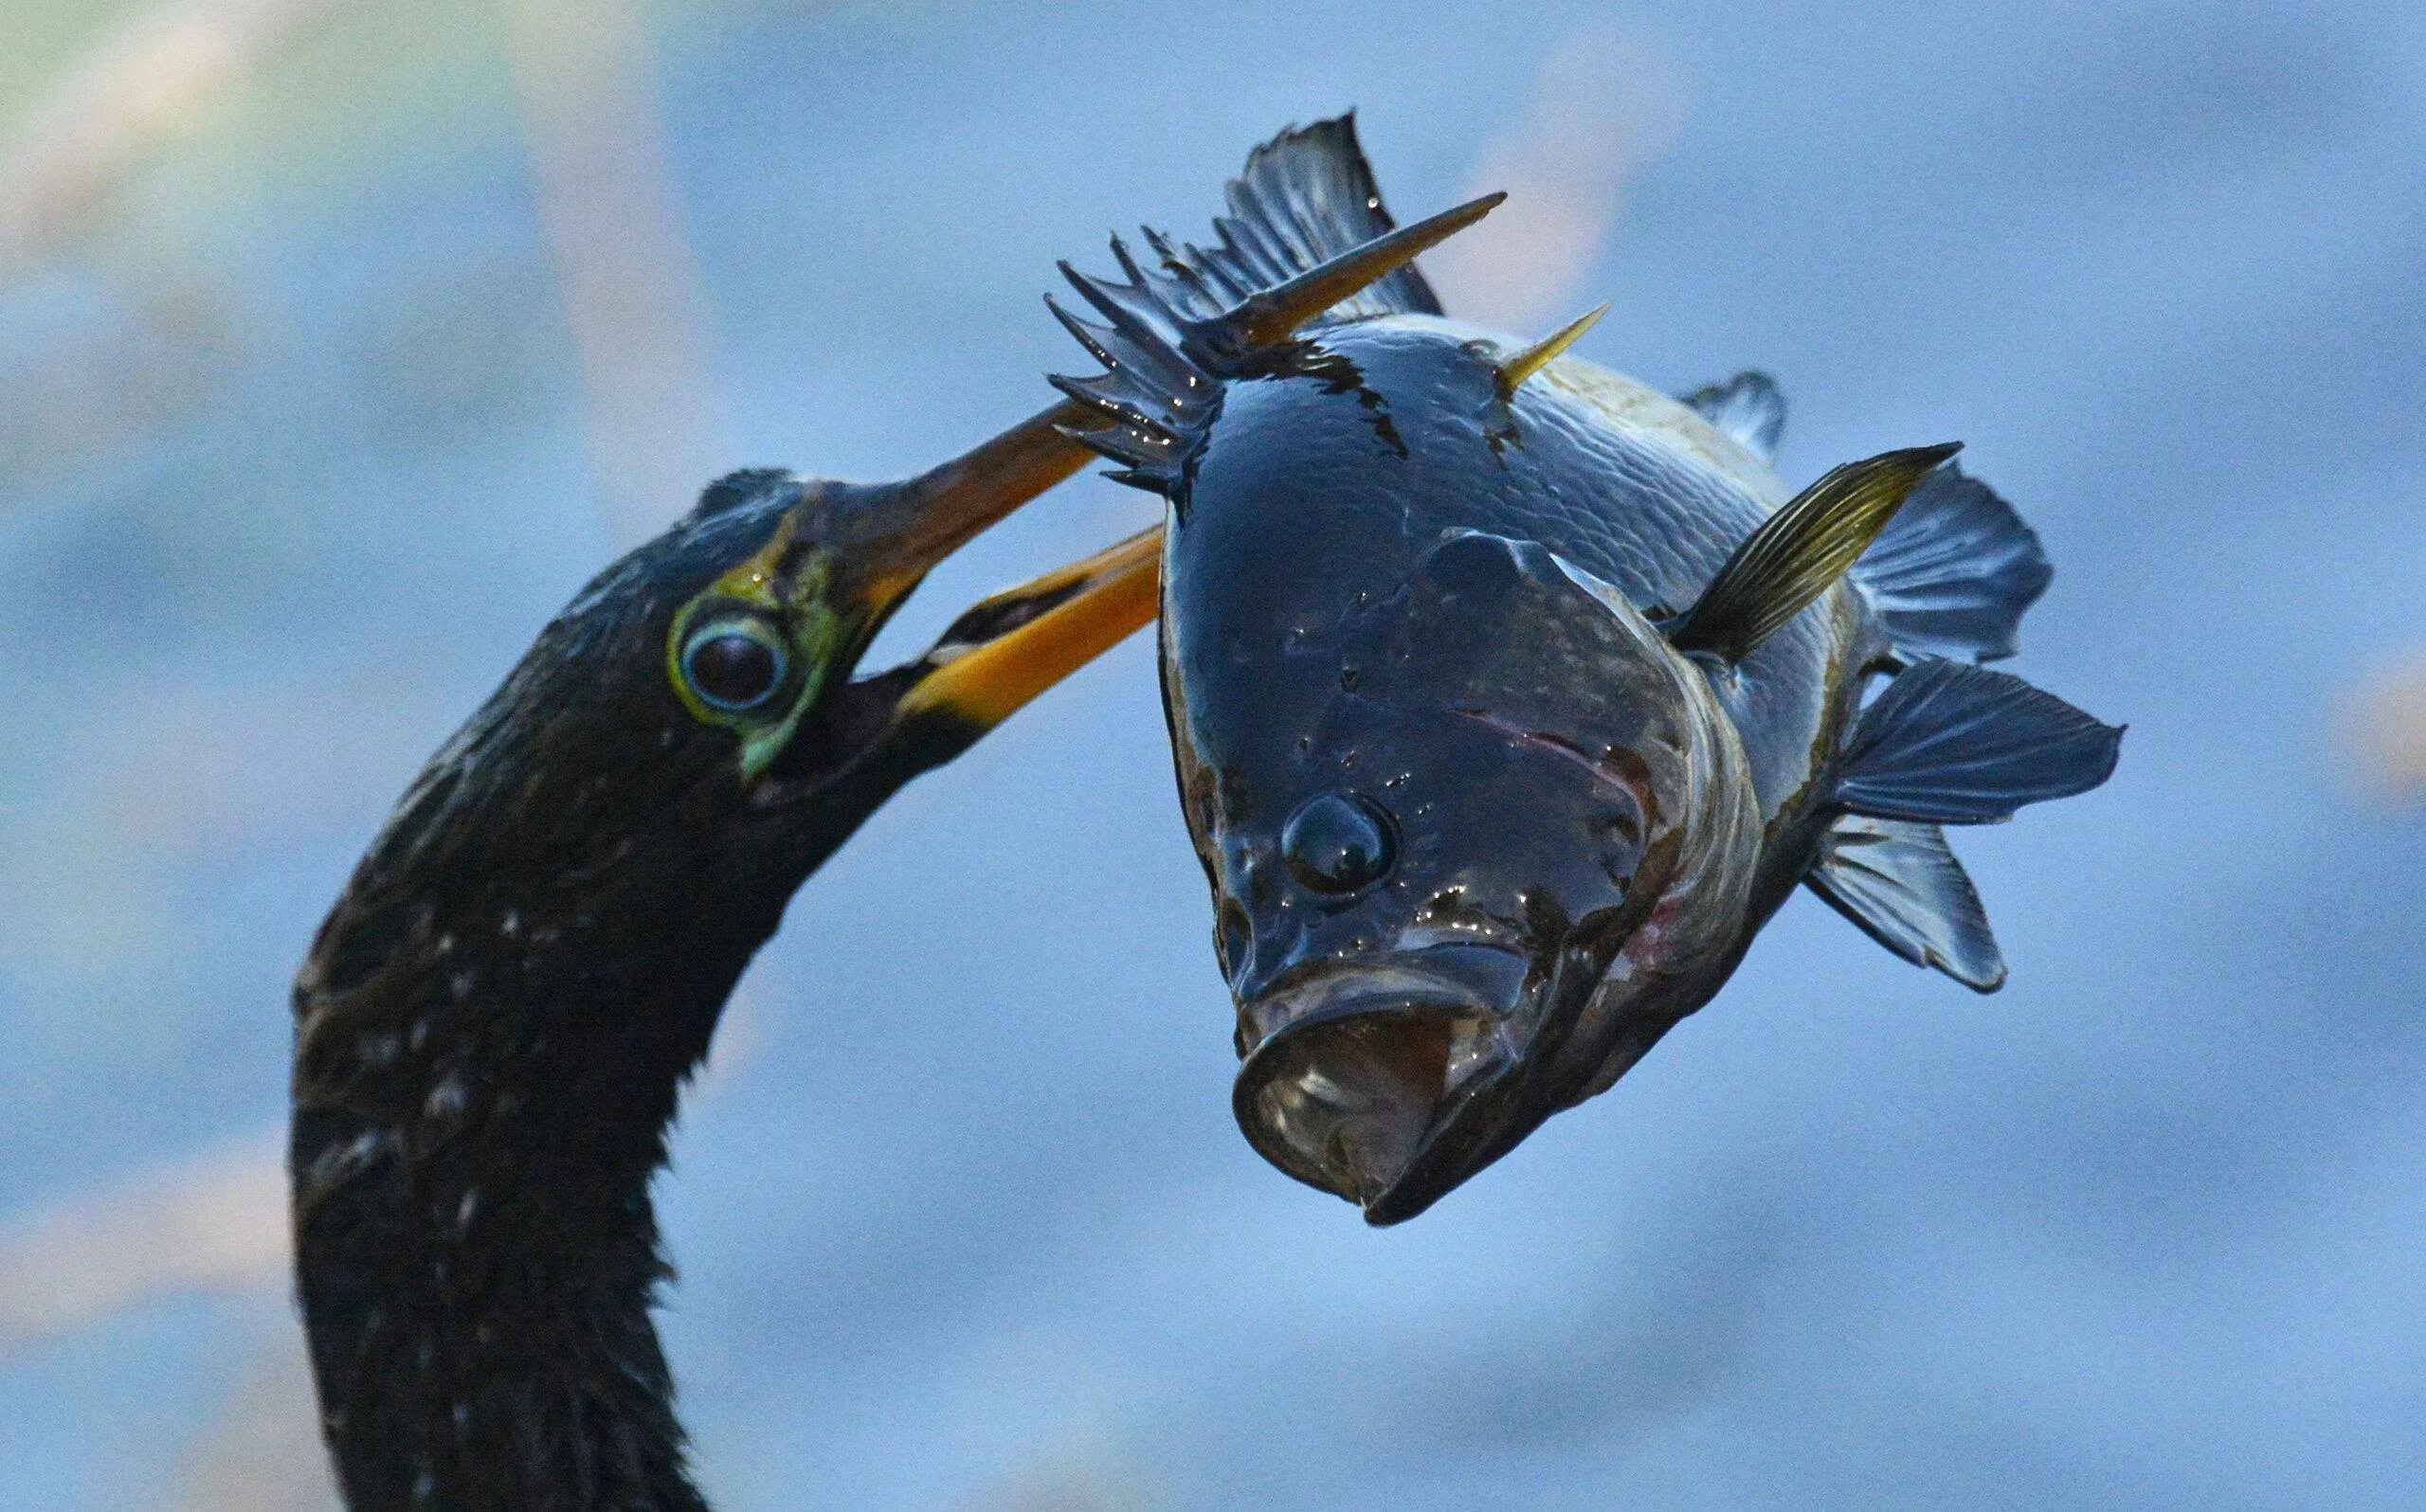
[
  {"x": 1505, "y": 713},
  {"x": 1555, "y": 774}
]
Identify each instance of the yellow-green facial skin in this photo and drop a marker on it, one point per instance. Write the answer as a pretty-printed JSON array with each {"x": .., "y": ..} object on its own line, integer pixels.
[{"x": 787, "y": 611}]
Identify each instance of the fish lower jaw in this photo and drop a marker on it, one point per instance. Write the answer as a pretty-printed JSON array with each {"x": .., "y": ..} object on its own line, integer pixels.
[{"x": 1346, "y": 1099}]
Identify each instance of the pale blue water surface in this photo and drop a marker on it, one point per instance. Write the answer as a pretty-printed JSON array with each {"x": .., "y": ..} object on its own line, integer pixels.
[{"x": 286, "y": 485}]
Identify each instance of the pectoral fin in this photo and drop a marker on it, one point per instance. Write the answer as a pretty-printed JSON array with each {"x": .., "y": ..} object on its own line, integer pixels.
[
  {"x": 1952, "y": 744},
  {"x": 1901, "y": 884},
  {"x": 1801, "y": 550}
]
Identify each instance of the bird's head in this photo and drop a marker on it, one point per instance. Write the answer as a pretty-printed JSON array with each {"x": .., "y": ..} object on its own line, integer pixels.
[{"x": 693, "y": 736}]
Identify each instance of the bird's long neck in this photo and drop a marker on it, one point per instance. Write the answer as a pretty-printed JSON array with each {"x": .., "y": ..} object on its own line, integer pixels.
[
  {"x": 492, "y": 1032},
  {"x": 477, "y": 1123}
]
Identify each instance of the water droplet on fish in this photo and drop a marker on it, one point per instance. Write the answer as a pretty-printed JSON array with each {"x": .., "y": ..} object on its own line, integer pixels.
[{"x": 1618, "y": 861}]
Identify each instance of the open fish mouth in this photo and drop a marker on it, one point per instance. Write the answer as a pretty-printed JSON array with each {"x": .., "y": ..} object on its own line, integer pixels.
[{"x": 1362, "y": 1070}]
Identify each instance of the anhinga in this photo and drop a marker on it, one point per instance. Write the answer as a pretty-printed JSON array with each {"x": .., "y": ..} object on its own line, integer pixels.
[{"x": 493, "y": 1025}]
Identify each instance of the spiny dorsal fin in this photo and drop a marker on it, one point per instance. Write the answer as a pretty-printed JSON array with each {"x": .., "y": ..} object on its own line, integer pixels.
[
  {"x": 1948, "y": 743},
  {"x": 1801, "y": 549},
  {"x": 1513, "y": 369},
  {"x": 1164, "y": 366},
  {"x": 1952, "y": 573},
  {"x": 1305, "y": 202},
  {"x": 1151, "y": 405},
  {"x": 1748, "y": 408},
  {"x": 1900, "y": 883}
]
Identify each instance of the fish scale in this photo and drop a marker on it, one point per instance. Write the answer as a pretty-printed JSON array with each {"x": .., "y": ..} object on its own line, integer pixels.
[{"x": 1624, "y": 501}]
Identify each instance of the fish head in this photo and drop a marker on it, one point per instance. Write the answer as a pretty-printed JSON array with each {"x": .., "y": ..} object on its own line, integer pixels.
[{"x": 1513, "y": 819}]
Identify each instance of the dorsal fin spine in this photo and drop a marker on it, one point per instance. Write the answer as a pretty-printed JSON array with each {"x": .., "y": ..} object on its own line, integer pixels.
[{"x": 1513, "y": 371}]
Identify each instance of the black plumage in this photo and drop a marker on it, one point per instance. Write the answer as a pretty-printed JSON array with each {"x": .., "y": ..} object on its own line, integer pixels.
[{"x": 494, "y": 1023}]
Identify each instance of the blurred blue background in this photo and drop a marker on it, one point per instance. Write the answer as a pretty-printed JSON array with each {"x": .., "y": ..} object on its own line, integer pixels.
[{"x": 340, "y": 342}]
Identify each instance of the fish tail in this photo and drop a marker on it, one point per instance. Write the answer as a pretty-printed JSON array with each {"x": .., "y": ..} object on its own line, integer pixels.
[{"x": 1954, "y": 571}]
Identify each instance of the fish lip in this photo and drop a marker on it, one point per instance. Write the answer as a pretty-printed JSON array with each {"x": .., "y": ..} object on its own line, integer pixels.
[
  {"x": 1465, "y": 1136},
  {"x": 1492, "y": 1113},
  {"x": 1333, "y": 993},
  {"x": 1319, "y": 991}
]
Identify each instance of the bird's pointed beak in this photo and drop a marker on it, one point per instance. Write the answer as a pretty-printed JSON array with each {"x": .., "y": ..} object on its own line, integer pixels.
[
  {"x": 877, "y": 730},
  {"x": 1009, "y": 648},
  {"x": 1013, "y": 646},
  {"x": 883, "y": 728},
  {"x": 896, "y": 533}
]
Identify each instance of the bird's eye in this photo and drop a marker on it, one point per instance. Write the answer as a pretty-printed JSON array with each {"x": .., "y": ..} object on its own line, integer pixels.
[{"x": 734, "y": 665}]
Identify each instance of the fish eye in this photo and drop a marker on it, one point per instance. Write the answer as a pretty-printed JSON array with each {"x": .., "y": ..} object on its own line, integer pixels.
[
  {"x": 734, "y": 663},
  {"x": 1336, "y": 843}
]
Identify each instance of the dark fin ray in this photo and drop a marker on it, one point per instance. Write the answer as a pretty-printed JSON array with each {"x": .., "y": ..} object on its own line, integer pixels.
[
  {"x": 1901, "y": 884},
  {"x": 1954, "y": 571},
  {"x": 1953, "y": 744},
  {"x": 1748, "y": 408},
  {"x": 1799, "y": 552},
  {"x": 1271, "y": 314},
  {"x": 1150, "y": 406},
  {"x": 1304, "y": 197}
]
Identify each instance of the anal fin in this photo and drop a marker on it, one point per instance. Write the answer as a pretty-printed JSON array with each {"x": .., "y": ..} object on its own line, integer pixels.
[
  {"x": 1899, "y": 882},
  {"x": 1748, "y": 408},
  {"x": 1950, "y": 742}
]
